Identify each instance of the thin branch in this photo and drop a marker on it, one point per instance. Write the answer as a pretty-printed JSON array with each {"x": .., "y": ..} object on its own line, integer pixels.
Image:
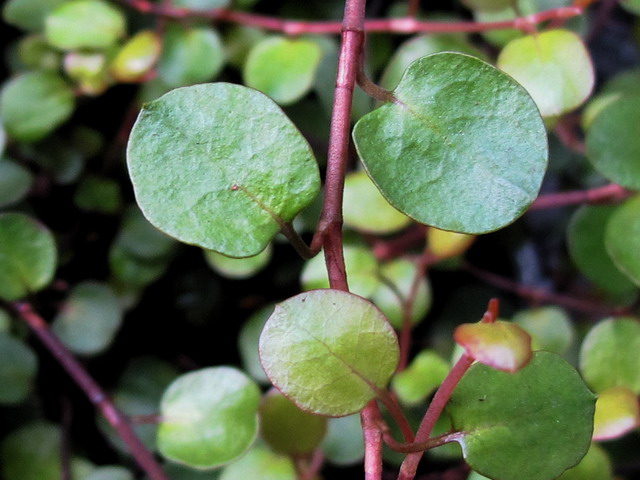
[
  {"x": 391, "y": 402},
  {"x": 372, "y": 89},
  {"x": 611, "y": 193},
  {"x": 94, "y": 392},
  {"x": 402, "y": 25},
  {"x": 399, "y": 245},
  {"x": 422, "y": 446}
]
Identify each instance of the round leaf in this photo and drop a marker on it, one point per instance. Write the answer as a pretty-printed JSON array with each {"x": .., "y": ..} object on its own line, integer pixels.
[
  {"x": 287, "y": 429},
  {"x": 18, "y": 366},
  {"x": 617, "y": 413},
  {"x": 261, "y": 463},
  {"x": 282, "y": 68},
  {"x": 15, "y": 182},
  {"x": 533, "y": 424},
  {"x": 609, "y": 355},
  {"x": 136, "y": 57},
  {"x": 84, "y": 24},
  {"x": 445, "y": 244},
  {"x": 317, "y": 348},
  {"x": 595, "y": 465},
  {"x": 190, "y": 55},
  {"x": 28, "y": 14},
  {"x": 365, "y": 209},
  {"x": 248, "y": 341},
  {"x": 463, "y": 148},
  {"x": 243, "y": 168},
  {"x": 34, "y": 104},
  {"x": 27, "y": 256},
  {"x": 622, "y": 239},
  {"x": 501, "y": 345},
  {"x": 238, "y": 267},
  {"x": 209, "y": 417},
  {"x": 344, "y": 443},
  {"x": 421, "y": 378},
  {"x": 89, "y": 319},
  {"x": 618, "y": 161},
  {"x": 553, "y": 66},
  {"x": 550, "y": 328},
  {"x": 110, "y": 473}
]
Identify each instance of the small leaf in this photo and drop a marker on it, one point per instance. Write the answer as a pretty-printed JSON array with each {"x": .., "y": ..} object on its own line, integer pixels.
[
  {"x": 238, "y": 267},
  {"x": 550, "y": 328},
  {"x": 595, "y": 465},
  {"x": 617, "y": 161},
  {"x": 425, "y": 373},
  {"x": 98, "y": 194},
  {"x": 27, "y": 256},
  {"x": 617, "y": 413},
  {"x": 344, "y": 443},
  {"x": 15, "y": 182},
  {"x": 622, "y": 239},
  {"x": 501, "y": 345},
  {"x": 136, "y": 57},
  {"x": 445, "y": 244},
  {"x": 317, "y": 348},
  {"x": 286, "y": 428},
  {"x": 366, "y": 210},
  {"x": 91, "y": 24},
  {"x": 449, "y": 152},
  {"x": 29, "y": 14},
  {"x": 108, "y": 472},
  {"x": 34, "y": 104},
  {"x": 231, "y": 189},
  {"x": 609, "y": 355},
  {"x": 533, "y": 424},
  {"x": 260, "y": 463},
  {"x": 18, "y": 367},
  {"x": 89, "y": 319},
  {"x": 248, "y": 341},
  {"x": 554, "y": 67},
  {"x": 282, "y": 68},
  {"x": 190, "y": 55},
  {"x": 88, "y": 71},
  {"x": 209, "y": 417}
]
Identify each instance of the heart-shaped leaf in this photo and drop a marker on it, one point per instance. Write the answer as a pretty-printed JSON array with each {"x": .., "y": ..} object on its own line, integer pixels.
[
  {"x": 243, "y": 167},
  {"x": 27, "y": 256},
  {"x": 209, "y": 417},
  {"x": 532, "y": 424},
  {"x": 617, "y": 413},
  {"x": 317, "y": 348},
  {"x": 462, "y": 148},
  {"x": 501, "y": 345}
]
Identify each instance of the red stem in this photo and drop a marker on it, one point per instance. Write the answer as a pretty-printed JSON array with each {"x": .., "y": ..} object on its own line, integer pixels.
[
  {"x": 611, "y": 193},
  {"x": 436, "y": 407},
  {"x": 371, "y": 419},
  {"x": 403, "y": 25},
  {"x": 94, "y": 392}
]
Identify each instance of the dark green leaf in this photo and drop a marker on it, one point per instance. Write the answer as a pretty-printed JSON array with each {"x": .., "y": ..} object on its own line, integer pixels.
[
  {"x": 15, "y": 182},
  {"x": 18, "y": 366},
  {"x": 98, "y": 194}
]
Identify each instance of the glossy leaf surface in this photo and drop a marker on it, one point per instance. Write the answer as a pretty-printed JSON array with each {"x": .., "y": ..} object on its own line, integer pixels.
[
  {"x": 439, "y": 156},
  {"x": 240, "y": 174},
  {"x": 18, "y": 367},
  {"x": 553, "y": 66},
  {"x": 260, "y": 463},
  {"x": 317, "y": 348},
  {"x": 209, "y": 417},
  {"x": 28, "y": 256},
  {"x": 622, "y": 239},
  {"x": 533, "y": 424},
  {"x": 617, "y": 413},
  {"x": 282, "y": 68},
  {"x": 609, "y": 355}
]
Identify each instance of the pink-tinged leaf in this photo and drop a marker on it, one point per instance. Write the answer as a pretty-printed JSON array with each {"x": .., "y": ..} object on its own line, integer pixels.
[
  {"x": 501, "y": 345},
  {"x": 617, "y": 413}
]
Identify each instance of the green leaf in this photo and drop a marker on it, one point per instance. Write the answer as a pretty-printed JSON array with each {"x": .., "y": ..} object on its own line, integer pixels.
[
  {"x": 533, "y": 424},
  {"x": 624, "y": 83},
  {"x": 109, "y": 472},
  {"x": 36, "y": 54},
  {"x": 361, "y": 265},
  {"x": 394, "y": 289},
  {"x": 89, "y": 319},
  {"x": 91, "y": 24},
  {"x": 444, "y": 244},
  {"x": 34, "y": 104},
  {"x": 18, "y": 367},
  {"x": 261, "y": 463},
  {"x": 136, "y": 57},
  {"x": 550, "y": 328},
  {"x": 617, "y": 413},
  {"x": 622, "y": 239},
  {"x": 586, "y": 243},
  {"x": 98, "y": 194},
  {"x": 29, "y": 14},
  {"x": 15, "y": 182},
  {"x": 594, "y": 466},
  {"x": 609, "y": 355},
  {"x": 5, "y": 321},
  {"x": 282, "y": 68},
  {"x": 449, "y": 152},
  {"x": 248, "y": 340},
  {"x": 617, "y": 161},
  {"x": 27, "y": 256},
  {"x": 425, "y": 373},
  {"x": 632, "y": 6},
  {"x": 233, "y": 188},
  {"x": 88, "y": 71},
  {"x": 317, "y": 348},
  {"x": 175, "y": 471},
  {"x": 190, "y": 55},
  {"x": 502, "y": 345},
  {"x": 488, "y": 5},
  {"x": 554, "y": 67},
  {"x": 209, "y": 417},
  {"x": 344, "y": 443},
  {"x": 286, "y": 428},
  {"x": 33, "y": 453},
  {"x": 238, "y": 267},
  {"x": 366, "y": 210}
]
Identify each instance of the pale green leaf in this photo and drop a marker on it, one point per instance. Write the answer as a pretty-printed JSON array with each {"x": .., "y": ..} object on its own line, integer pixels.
[
  {"x": 260, "y": 463},
  {"x": 420, "y": 379},
  {"x": 595, "y": 465},
  {"x": 344, "y": 443},
  {"x": 15, "y": 182},
  {"x": 550, "y": 328},
  {"x": 238, "y": 267},
  {"x": 29, "y": 14}
]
